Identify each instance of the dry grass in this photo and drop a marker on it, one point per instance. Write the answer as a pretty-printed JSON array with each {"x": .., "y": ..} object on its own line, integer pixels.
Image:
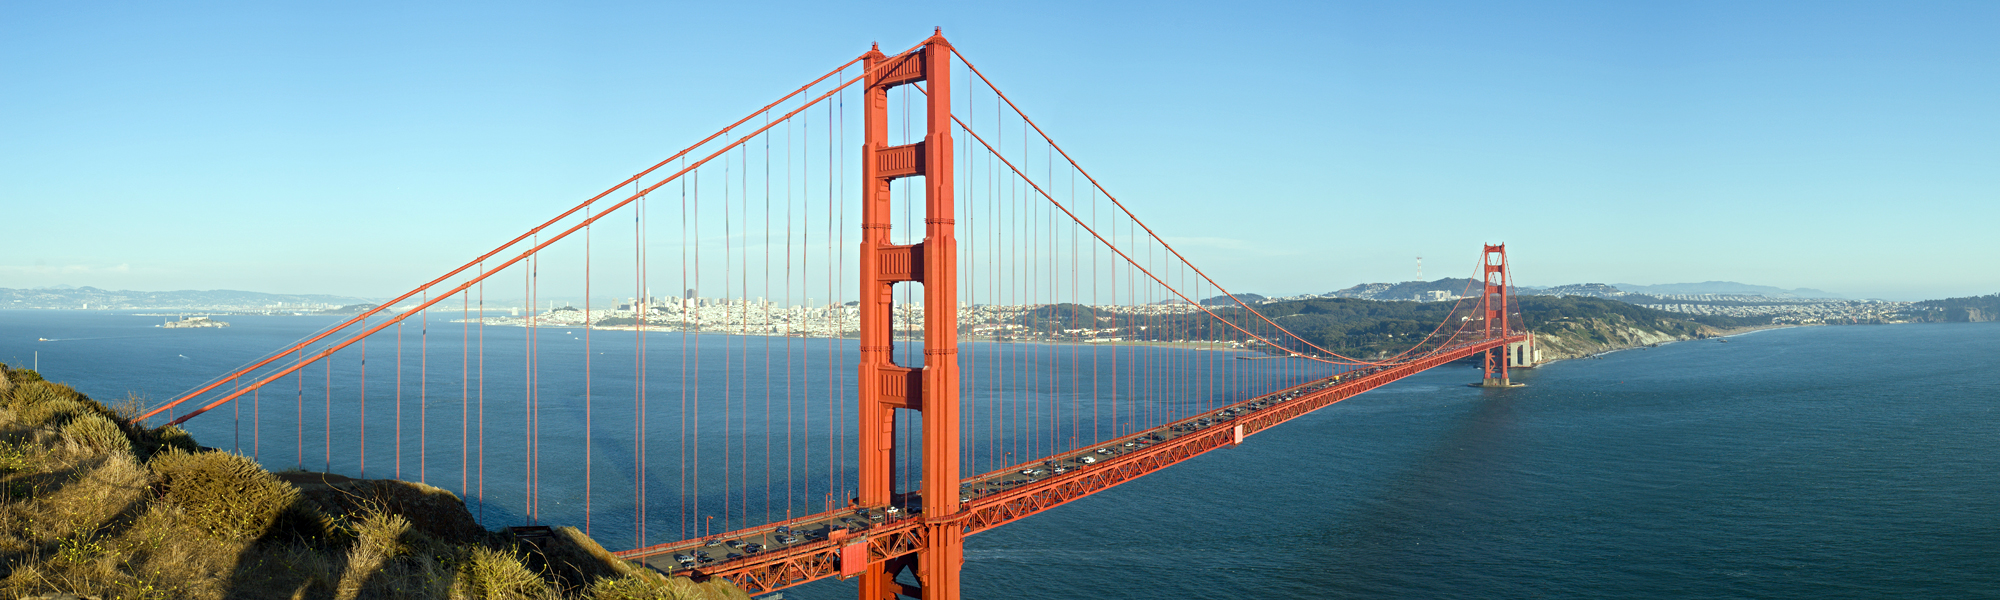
[
  {"x": 488, "y": 573},
  {"x": 95, "y": 506}
]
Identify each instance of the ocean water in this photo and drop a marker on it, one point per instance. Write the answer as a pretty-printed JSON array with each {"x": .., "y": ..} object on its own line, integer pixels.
[
  {"x": 1827, "y": 462},
  {"x": 730, "y": 430}
]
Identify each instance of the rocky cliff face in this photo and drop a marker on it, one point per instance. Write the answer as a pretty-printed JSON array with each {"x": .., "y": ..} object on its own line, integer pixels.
[
  {"x": 1577, "y": 338},
  {"x": 1972, "y": 309},
  {"x": 1970, "y": 314}
]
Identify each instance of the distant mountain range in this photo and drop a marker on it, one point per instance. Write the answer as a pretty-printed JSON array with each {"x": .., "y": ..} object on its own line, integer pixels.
[
  {"x": 1450, "y": 288},
  {"x": 94, "y": 298}
]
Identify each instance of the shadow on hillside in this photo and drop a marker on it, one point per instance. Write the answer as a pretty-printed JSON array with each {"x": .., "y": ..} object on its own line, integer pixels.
[
  {"x": 390, "y": 539},
  {"x": 116, "y": 526},
  {"x": 284, "y": 562}
]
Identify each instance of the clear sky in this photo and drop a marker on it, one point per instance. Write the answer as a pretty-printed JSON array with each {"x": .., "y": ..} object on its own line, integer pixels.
[{"x": 359, "y": 148}]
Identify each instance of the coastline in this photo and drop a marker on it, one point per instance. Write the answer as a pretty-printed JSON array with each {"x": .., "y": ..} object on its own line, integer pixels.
[{"x": 1718, "y": 334}]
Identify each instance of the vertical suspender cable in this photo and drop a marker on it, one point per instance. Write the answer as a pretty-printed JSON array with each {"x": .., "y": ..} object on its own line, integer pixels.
[
  {"x": 424, "y": 392},
  {"x": 482, "y": 389},
  {"x": 728, "y": 341},
  {"x": 1096, "y": 422},
  {"x": 638, "y": 385},
  {"x": 789, "y": 313},
  {"x": 364, "y": 401},
  {"x": 527, "y": 391},
  {"x": 300, "y": 437},
  {"x": 743, "y": 349},
  {"x": 645, "y": 361},
  {"x": 694, "y": 319},
  {"x": 836, "y": 313},
  {"x": 464, "y": 388},
  {"x": 399, "y": 399},
  {"x": 588, "y": 433},
  {"x": 329, "y": 415},
  {"x": 767, "y": 322}
]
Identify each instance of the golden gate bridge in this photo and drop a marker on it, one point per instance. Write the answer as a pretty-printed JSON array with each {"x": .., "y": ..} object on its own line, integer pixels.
[{"x": 999, "y": 336}]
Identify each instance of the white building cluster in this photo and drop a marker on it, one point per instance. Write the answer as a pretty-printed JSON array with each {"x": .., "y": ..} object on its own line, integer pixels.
[
  {"x": 1792, "y": 311},
  {"x": 759, "y": 316}
]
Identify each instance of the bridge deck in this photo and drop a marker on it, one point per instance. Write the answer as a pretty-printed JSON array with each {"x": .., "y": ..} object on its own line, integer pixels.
[{"x": 780, "y": 555}]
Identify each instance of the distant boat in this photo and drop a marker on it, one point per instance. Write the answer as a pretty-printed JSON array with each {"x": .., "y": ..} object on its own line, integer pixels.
[{"x": 44, "y": 340}]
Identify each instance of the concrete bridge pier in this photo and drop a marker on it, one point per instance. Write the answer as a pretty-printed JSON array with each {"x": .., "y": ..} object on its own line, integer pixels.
[{"x": 1517, "y": 355}]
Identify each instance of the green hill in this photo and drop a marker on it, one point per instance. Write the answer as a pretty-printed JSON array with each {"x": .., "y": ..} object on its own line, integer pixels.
[{"x": 1565, "y": 326}]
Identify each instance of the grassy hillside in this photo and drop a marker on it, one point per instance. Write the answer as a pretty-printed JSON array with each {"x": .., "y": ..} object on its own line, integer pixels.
[
  {"x": 1573, "y": 326},
  {"x": 93, "y": 506},
  {"x": 1372, "y": 329}
]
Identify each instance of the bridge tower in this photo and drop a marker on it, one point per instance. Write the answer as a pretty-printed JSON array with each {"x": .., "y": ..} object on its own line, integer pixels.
[
  {"x": 930, "y": 388},
  {"x": 1494, "y": 306}
]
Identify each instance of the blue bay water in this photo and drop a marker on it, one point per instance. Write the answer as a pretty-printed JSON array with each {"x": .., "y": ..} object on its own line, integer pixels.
[
  {"x": 1829, "y": 462},
  {"x": 730, "y": 430}
]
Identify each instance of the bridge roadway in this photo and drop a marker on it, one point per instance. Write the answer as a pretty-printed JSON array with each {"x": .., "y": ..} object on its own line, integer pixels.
[{"x": 842, "y": 542}]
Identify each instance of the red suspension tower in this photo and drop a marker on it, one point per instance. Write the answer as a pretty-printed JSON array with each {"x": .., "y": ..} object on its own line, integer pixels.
[
  {"x": 1495, "y": 309},
  {"x": 930, "y": 388}
]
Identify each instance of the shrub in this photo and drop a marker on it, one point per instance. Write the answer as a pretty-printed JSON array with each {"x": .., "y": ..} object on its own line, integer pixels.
[
  {"x": 46, "y": 404},
  {"x": 650, "y": 586},
  {"x": 18, "y": 376},
  {"x": 629, "y": 588},
  {"x": 148, "y": 442},
  {"x": 489, "y": 574},
  {"x": 225, "y": 495},
  {"x": 378, "y": 540},
  {"x": 46, "y": 414},
  {"x": 435, "y": 512},
  {"x": 97, "y": 433}
]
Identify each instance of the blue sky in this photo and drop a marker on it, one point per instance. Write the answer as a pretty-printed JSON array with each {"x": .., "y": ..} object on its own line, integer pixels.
[{"x": 360, "y": 148}]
